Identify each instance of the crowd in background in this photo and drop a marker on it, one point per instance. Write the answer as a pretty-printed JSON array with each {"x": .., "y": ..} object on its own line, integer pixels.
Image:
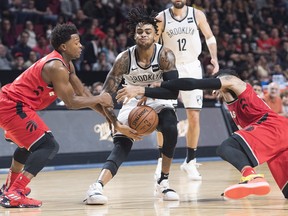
[{"x": 252, "y": 35}]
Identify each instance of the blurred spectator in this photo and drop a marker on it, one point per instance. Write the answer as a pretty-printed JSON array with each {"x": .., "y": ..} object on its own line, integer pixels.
[
  {"x": 262, "y": 69},
  {"x": 95, "y": 9},
  {"x": 22, "y": 46},
  {"x": 18, "y": 62},
  {"x": 5, "y": 58},
  {"x": 43, "y": 47},
  {"x": 31, "y": 60},
  {"x": 264, "y": 43},
  {"x": 69, "y": 8},
  {"x": 257, "y": 88},
  {"x": 49, "y": 10},
  {"x": 79, "y": 20},
  {"x": 102, "y": 64},
  {"x": 110, "y": 49},
  {"x": 96, "y": 88},
  {"x": 122, "y": 43},
  {"x": 8, "y": 33},
  {"x": 90, "y": 52},
  {"x": 272, "y": 98},
  {"x": 29, "y": 27},
  {"x": 284, "y": 98}
]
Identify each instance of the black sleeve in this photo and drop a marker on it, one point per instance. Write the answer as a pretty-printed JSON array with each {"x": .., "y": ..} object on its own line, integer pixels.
[
  {"x": 186, "y": 84},
  {"x": 170, "y": 75},
  {"x": 161, "y": 93}
]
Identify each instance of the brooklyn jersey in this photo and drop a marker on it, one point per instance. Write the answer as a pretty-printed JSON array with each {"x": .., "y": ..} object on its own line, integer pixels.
[
  {"x": 141, "y": 76},
  {"x": 30, "y": 89},
  {"x": 182, "y": 36}
]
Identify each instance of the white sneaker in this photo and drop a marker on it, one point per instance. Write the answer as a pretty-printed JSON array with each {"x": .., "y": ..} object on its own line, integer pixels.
[
  {"x": 191, "y": 170},
  {"x": 94, "y": 195},
  {"x": 157, "y": 173},
  {"x": 163, "y": 191}
]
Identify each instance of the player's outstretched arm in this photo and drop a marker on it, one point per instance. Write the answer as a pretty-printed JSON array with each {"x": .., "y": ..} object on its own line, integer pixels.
[{"x": 56, "y": 74}]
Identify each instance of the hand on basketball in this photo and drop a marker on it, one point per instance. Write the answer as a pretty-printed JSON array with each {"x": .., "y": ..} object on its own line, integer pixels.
[
  {"x": 128, "y": 92},
  {"x": 142, "y": 101},
  {"x": 127, "y": 131}
]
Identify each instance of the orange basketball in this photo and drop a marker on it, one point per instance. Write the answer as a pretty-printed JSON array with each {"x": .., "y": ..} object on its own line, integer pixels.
[{"x": 143, "y": 119}]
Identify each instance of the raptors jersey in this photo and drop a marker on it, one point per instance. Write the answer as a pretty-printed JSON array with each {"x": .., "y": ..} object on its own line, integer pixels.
[
  {"x": 30, "y": 89},
  {"x": 248, "y": 108},
  {"x": 140, "y": 76},
  {"x": 182, "y": 36},
  {"x": 263, "y": 135}
]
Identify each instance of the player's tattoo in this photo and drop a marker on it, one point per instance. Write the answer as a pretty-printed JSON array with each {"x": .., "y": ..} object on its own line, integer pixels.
[
  {"x": 115, "y": 75},
  {"x": 167, "y": 60},
  {"x": 113, "y": 81}
]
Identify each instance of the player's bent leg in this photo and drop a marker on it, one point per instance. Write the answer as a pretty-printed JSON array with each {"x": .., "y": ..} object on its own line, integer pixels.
[
  {"x": 119, "y": 153},
  {"x": 254, "y": 184}
]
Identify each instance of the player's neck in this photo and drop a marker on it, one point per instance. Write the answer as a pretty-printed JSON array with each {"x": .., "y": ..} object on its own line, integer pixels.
[
  {"x": 179, "y": 13},
  {"x": 144, "y": 56}
]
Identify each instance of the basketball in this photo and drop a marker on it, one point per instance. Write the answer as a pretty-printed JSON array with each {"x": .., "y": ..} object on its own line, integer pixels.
[{"x": 143, "y": 119}]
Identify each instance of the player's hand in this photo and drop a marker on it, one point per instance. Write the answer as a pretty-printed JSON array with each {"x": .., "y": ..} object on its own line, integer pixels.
[
  {"x": 155, "y": 84},
  {"x": 128, "y": 92},
  {"x": 216, "y": 66},
  {"x": 106, "y": 100},
  {"x": 127, "y": 131},
  {"x": 142, "y": 101}
]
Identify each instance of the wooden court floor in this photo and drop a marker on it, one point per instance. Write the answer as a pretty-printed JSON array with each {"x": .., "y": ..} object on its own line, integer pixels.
[{"x": 131, "y": 193}]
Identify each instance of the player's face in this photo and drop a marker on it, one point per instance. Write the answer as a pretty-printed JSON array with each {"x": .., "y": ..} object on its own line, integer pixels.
[
  {"x": 145, "y": 35},
  {"x": 179, "y": 3},
  {"x": 74, "y": 47}
]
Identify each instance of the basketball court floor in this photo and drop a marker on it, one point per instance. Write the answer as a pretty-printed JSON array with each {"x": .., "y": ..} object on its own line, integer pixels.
[{"x": 62, "y": 190}]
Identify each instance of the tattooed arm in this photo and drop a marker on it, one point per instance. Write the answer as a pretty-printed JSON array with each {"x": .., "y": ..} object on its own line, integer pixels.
[{"x": 110, "y": 86}]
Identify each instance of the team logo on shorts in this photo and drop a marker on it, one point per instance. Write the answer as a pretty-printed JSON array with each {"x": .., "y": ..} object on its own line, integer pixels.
[
  {"x": 199, "y": 100},
  {"x": 31, "y": 126}
]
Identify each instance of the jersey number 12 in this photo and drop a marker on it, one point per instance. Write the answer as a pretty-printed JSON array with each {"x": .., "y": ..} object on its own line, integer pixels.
[{"x": 182, "y": 44}]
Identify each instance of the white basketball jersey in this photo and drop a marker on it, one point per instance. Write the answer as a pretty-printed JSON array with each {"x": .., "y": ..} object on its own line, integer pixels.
[
  {"x": 140, "y": 76},
  {"x": 182, "y": 37}
]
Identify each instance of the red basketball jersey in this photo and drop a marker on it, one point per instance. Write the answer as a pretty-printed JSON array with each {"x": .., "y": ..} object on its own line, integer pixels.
[
  {"x": 29, "y": 87},
  {"x": 248, "y": 108}
]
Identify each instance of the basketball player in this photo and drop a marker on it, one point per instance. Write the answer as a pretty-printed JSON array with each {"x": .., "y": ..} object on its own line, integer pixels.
[
  {"x": 141, "y": 65},
  {"x": 254, "y": 143},
  {"x": 179, "y": 31},
  {"x": 51, "y": 77}
]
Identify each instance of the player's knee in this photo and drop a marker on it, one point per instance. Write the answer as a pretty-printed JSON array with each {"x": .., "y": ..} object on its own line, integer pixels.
[
  {"x": 122, "y": 147},
  {"x": 223, "y": 149},
  {"x": 220, "y": 151},
  {"x": 21, "y": 155}
]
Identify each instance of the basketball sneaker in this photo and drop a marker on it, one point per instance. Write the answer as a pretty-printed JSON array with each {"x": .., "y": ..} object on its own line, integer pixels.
[
  {"x": 252, "y": 184},
  {"x": 94, "y": 195},
  {"x": 191, "y": 170},
  {"x": 16, "y": 199},
  {"x": 163, "y": 191},
  {"x": 26, "y": 192},
  {"x": 157, "y": 173}
]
